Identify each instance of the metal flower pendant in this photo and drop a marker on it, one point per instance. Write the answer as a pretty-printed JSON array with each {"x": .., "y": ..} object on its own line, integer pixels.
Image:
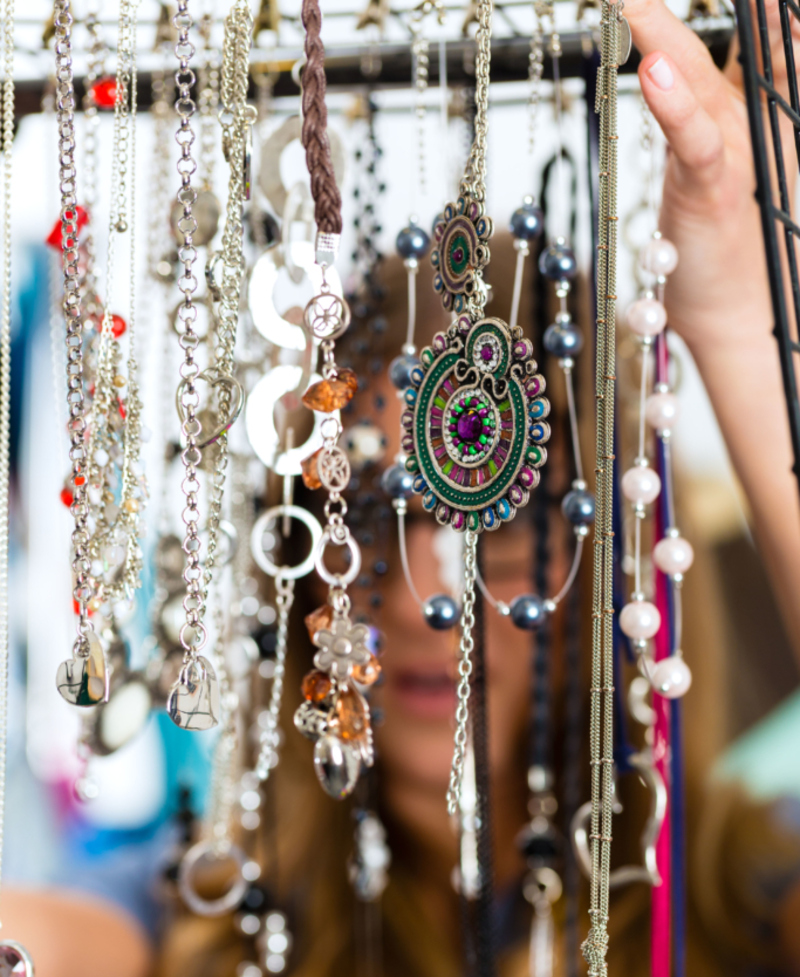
[
  {"x": 461, "y": 252},
  {"x": 474, "y": 431},
  {"x": 15, "y": 960},
  {"x": 341, "y": 648}
]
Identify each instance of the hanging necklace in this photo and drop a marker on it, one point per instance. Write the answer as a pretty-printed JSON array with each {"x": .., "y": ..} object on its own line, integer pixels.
[
  {"x": 84, "y": 677},
  {"x": 335, "y": 714},
  {"x": 612, "y": 52},
  {"x": 193, "y": 702},
  {"x": 466, "y": 431},
  {"x": 14, "y": 958}
]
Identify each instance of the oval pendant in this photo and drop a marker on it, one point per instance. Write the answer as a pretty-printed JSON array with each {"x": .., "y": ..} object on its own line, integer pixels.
[
  {"x": 337, "y": 765},
  {"x": 475, "y": 428}
]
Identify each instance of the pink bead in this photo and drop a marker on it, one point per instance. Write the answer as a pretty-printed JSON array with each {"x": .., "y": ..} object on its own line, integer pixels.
[
  {"x": 646, "y": 317},
  {"x": 673, "y": 554},
  {"x": 672, "y": 677},
  {"x": 639, "y": 619},
  {"x": 641, "y": 485},
  {"x": 659, "y": 256},
  {"x": 661, "y": 411}
]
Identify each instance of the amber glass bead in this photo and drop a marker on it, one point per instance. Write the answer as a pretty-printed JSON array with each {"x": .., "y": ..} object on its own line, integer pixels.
[
  {"x": 316, "y": 685},
  {"x": 333, "y": 394},
  {"x": 368, "y": 673},
  {"x": 319, "y": 620},
  {"x": 350, "y": 715},
  {"x": 309, "y": 471}
]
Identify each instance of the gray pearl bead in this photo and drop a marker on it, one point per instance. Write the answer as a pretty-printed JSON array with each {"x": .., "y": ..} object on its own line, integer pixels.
[
  {"x": 578, "y": 507},
  {"x": 563, "y": 339},
  {"x": 400, "y": 370},
  {"x": 527, "y": 222},
  {"x": 441, "y": 612},
  {"x": 397, "y": 483},
  {"x": 527, "y": 612},
  {"x": 558, "y": 263},
  {"x": 412, "y": 242}
]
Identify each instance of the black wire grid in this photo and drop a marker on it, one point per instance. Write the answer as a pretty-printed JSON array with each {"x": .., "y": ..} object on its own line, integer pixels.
[{"x": 772, "y": 188}]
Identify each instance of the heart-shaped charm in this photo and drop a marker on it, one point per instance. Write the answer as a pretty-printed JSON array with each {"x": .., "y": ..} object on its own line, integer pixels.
[
  {"x": 14, "y": 960},
  {"x": 193, "y": 701},
  {"x": 235, "y": 392},
  {"x": 83, "y": 680},
  {"x": 626, "y": 874}
]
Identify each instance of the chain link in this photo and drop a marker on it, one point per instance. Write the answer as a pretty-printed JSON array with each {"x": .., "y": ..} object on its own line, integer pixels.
[
  {"x": 270, "y": 735},
  {"x": 602, "y": 672},
  {"x": 465, "y": 649},
  {"x": 474, "y": 181},
  {"x": 193, "y": 631},
  {"x": 76, "y": 425}
]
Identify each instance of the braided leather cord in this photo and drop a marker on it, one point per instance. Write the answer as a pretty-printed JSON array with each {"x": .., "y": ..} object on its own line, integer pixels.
[{"x": 325, "y": 192}]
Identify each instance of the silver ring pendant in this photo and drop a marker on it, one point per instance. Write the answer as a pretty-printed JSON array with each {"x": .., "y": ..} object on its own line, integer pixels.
[
  {"x": 272, "y": 515},
  {"x": 205, "y": 850}
]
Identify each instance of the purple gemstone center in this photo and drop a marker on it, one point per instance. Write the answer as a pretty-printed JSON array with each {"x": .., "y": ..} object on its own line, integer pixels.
[
  {"x": 11, "y": 963},
  {"x": 458, "y": 255},
  {"x": 470, "y": 427},
  {"x": 487, "y": 353}
]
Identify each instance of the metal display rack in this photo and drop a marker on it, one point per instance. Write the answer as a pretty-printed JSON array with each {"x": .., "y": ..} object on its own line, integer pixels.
[{"x": 772, "y": 184}]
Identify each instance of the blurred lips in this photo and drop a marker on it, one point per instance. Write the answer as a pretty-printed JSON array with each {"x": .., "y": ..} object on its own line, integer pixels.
[{"x": 424, "y": 693}]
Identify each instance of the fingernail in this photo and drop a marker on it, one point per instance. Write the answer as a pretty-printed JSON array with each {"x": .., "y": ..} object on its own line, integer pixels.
[{"x": 662, "y": 76}]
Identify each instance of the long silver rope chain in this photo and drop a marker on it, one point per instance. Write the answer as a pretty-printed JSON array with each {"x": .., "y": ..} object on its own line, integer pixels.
[
  {"x": 601, "y": 732},
  {"x": 193, "y": 631},
  {"x": 465, "y": 650},
  {"x": 270, "y": 737},
  {"x": 65, "y": 111},
  {"x": 7, "y": 18}
]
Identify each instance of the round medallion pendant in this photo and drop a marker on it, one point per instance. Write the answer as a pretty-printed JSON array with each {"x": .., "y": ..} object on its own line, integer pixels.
[
  {"x": 461, "y": 252},
  {"x": 474, "y": 429}
]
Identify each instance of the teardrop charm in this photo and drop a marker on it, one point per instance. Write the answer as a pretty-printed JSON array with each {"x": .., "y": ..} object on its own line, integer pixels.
[{"x": 337, "y": 765}]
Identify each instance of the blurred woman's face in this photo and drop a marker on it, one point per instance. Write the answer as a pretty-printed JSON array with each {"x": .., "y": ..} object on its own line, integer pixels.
[{"x": 418, "y": 694}]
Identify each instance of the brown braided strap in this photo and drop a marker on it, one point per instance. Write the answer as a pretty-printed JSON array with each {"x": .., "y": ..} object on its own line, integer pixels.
[{"x": 327, "y": 199}]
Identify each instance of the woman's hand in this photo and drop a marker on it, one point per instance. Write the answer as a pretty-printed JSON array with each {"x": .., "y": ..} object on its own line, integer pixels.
[
  {"x": 719, "y": 293},
  {"x": 718, "y": 297}
]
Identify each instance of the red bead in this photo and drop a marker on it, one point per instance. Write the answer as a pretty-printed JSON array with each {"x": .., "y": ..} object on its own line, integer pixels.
[
  {"x": 80, "y": 480},
  {"x": 118, "y": 326},
  {"x": 122, "y": 412},
  {"x": 54, "y": 237},
  {"x": 104, "y": 93},
  {"x": 67, "y": 497}
]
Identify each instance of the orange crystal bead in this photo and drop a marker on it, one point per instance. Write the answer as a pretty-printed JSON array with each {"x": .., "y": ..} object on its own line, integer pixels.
[
  {"x": 309, "y": 471},
  {"x": 319, "y": 620},
  {"x": 368, "y": 673},
  {"x": 350, "y": 715},
  {"x": 315, "y": 686},
  {"x": 333, "y": 394}
]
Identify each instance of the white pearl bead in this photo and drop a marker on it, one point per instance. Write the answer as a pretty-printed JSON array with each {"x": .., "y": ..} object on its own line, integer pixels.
[
  {"x": 641, "y": 485},
  {"x": 661, "y": 411},
  {"x": 659, "y": 256},
  {"x": 673, "y": 554},
  {"x": 100, "y": 458},
  {"x": 647, "y": 317},
  {"x": 95, "y": 494},
  {"x": 672, "y": 677},
  {"x": 639, "y": 619}
]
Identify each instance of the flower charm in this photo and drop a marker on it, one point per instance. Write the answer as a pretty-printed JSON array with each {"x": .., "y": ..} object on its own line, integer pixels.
[
  {"x": 461, "y": 252},
  {"x": 341, "y": 648}
]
